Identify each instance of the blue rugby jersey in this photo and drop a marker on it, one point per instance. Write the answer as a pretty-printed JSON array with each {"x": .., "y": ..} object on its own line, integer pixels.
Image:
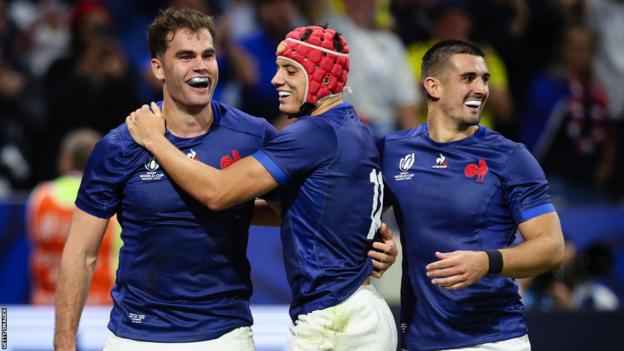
[
  {"x": 333, "y": 190},
  {"x": 183, "y": 273},
  {"x": 469, "y": 194}
]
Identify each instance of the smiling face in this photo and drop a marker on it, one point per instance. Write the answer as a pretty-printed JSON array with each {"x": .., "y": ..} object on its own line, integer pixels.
[
  {"x": 188, "y": 68},
  {"x": 290, "y": 81},
  {"x": 464, "y": 89}
]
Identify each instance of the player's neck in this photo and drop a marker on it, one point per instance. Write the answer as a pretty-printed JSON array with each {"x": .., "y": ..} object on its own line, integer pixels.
[
  {"x": 327, "y": 104},
  {"x": 185, "y": 122},
  {"x": 443, "y": 129}
]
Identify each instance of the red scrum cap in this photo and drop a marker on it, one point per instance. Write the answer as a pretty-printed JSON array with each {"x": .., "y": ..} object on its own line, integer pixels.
[{"x": 323, "y": 56}]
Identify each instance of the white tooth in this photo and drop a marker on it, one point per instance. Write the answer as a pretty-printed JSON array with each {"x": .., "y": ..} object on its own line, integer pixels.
[{"x": 283, "y": 93}]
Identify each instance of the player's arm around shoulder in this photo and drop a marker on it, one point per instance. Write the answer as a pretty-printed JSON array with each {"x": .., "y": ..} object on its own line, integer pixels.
[
  {"x": 216, "y": 189},
  {"x": 77, "y": 267}
]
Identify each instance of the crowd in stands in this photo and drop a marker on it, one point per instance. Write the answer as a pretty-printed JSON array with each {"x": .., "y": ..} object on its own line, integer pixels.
[
  {"x": 577, "y": 285},
  {"x": 556, "y": 65},
  {"x": 557, "y": 70}
]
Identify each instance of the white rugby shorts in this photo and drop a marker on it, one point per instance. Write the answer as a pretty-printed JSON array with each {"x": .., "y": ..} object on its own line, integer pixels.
[{"x": 361, "y": 322}]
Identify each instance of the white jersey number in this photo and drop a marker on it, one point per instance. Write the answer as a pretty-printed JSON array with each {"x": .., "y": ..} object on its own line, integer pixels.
[{"x": 375, "y": 178}]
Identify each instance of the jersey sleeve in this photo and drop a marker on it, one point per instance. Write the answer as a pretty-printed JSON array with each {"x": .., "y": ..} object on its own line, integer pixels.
[
  {"x": 526, "y": 187},
  {"x": 300, "y": 147},
  {"x": 103, "y": 179},
  {"x": 269, "y": 132}
]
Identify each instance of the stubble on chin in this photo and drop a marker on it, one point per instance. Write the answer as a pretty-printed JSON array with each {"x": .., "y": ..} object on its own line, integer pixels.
[{"x": 465, "y": 123}]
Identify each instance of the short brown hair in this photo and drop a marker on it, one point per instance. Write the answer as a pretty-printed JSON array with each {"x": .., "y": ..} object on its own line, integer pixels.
[
  {"x": 439, "y": 55},
  {"x": 170, "y": 21}
]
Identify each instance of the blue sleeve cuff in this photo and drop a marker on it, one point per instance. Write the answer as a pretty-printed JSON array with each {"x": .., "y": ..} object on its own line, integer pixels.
[
  {"x": 271, "y": 166},
  {"x": 83, "y": 205},
  {"x": 536, "y": 211}
]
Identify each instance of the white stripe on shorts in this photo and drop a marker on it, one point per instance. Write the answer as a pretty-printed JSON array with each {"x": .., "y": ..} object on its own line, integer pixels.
[{"x": 520, "y": 343}]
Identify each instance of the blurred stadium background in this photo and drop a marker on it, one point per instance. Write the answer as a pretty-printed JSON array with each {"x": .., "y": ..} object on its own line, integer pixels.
[{"x": 557, "y": 86}]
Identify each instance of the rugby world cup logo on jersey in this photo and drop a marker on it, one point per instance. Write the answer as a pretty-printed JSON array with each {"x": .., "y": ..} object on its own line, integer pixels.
[
  {"x": 152, "y": 173},
  {"x": 151, "y": 165},
  {"x": 405, "y": 164}
]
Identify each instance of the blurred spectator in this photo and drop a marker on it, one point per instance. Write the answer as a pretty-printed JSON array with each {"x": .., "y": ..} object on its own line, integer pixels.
[
  {"x": 44, "y": 32},
  {"x": 592, "y": 264},
  {"x": 242, "y": 14},
  {"x": 91, "y": 87},
  {"x": 412, "y": 23},
  {"x": 606, "y": 19},
  {"x": 451, "y": 19},
  {"x": 50, "y": 208},
  {"x": 566, "y": 124},
  {"x": 383, "y": 89},
  {"x": 236, "y": 65},
  {"x": 576, "y": 285},
  {"x": 14, "y": 137},
  {"x": 525, "y": 33},
  {"x": 258, "y": 96},
  {"x": 501, "y": 23},
  {"x": 44, "y": 37},
  {"x": 552, "y": 290},
  {"x": 130, "y": 20},
  {"x": 504, "y": 25},
  {"x": 316, "y": 10},
  {"x": 573, "y": 12}
]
